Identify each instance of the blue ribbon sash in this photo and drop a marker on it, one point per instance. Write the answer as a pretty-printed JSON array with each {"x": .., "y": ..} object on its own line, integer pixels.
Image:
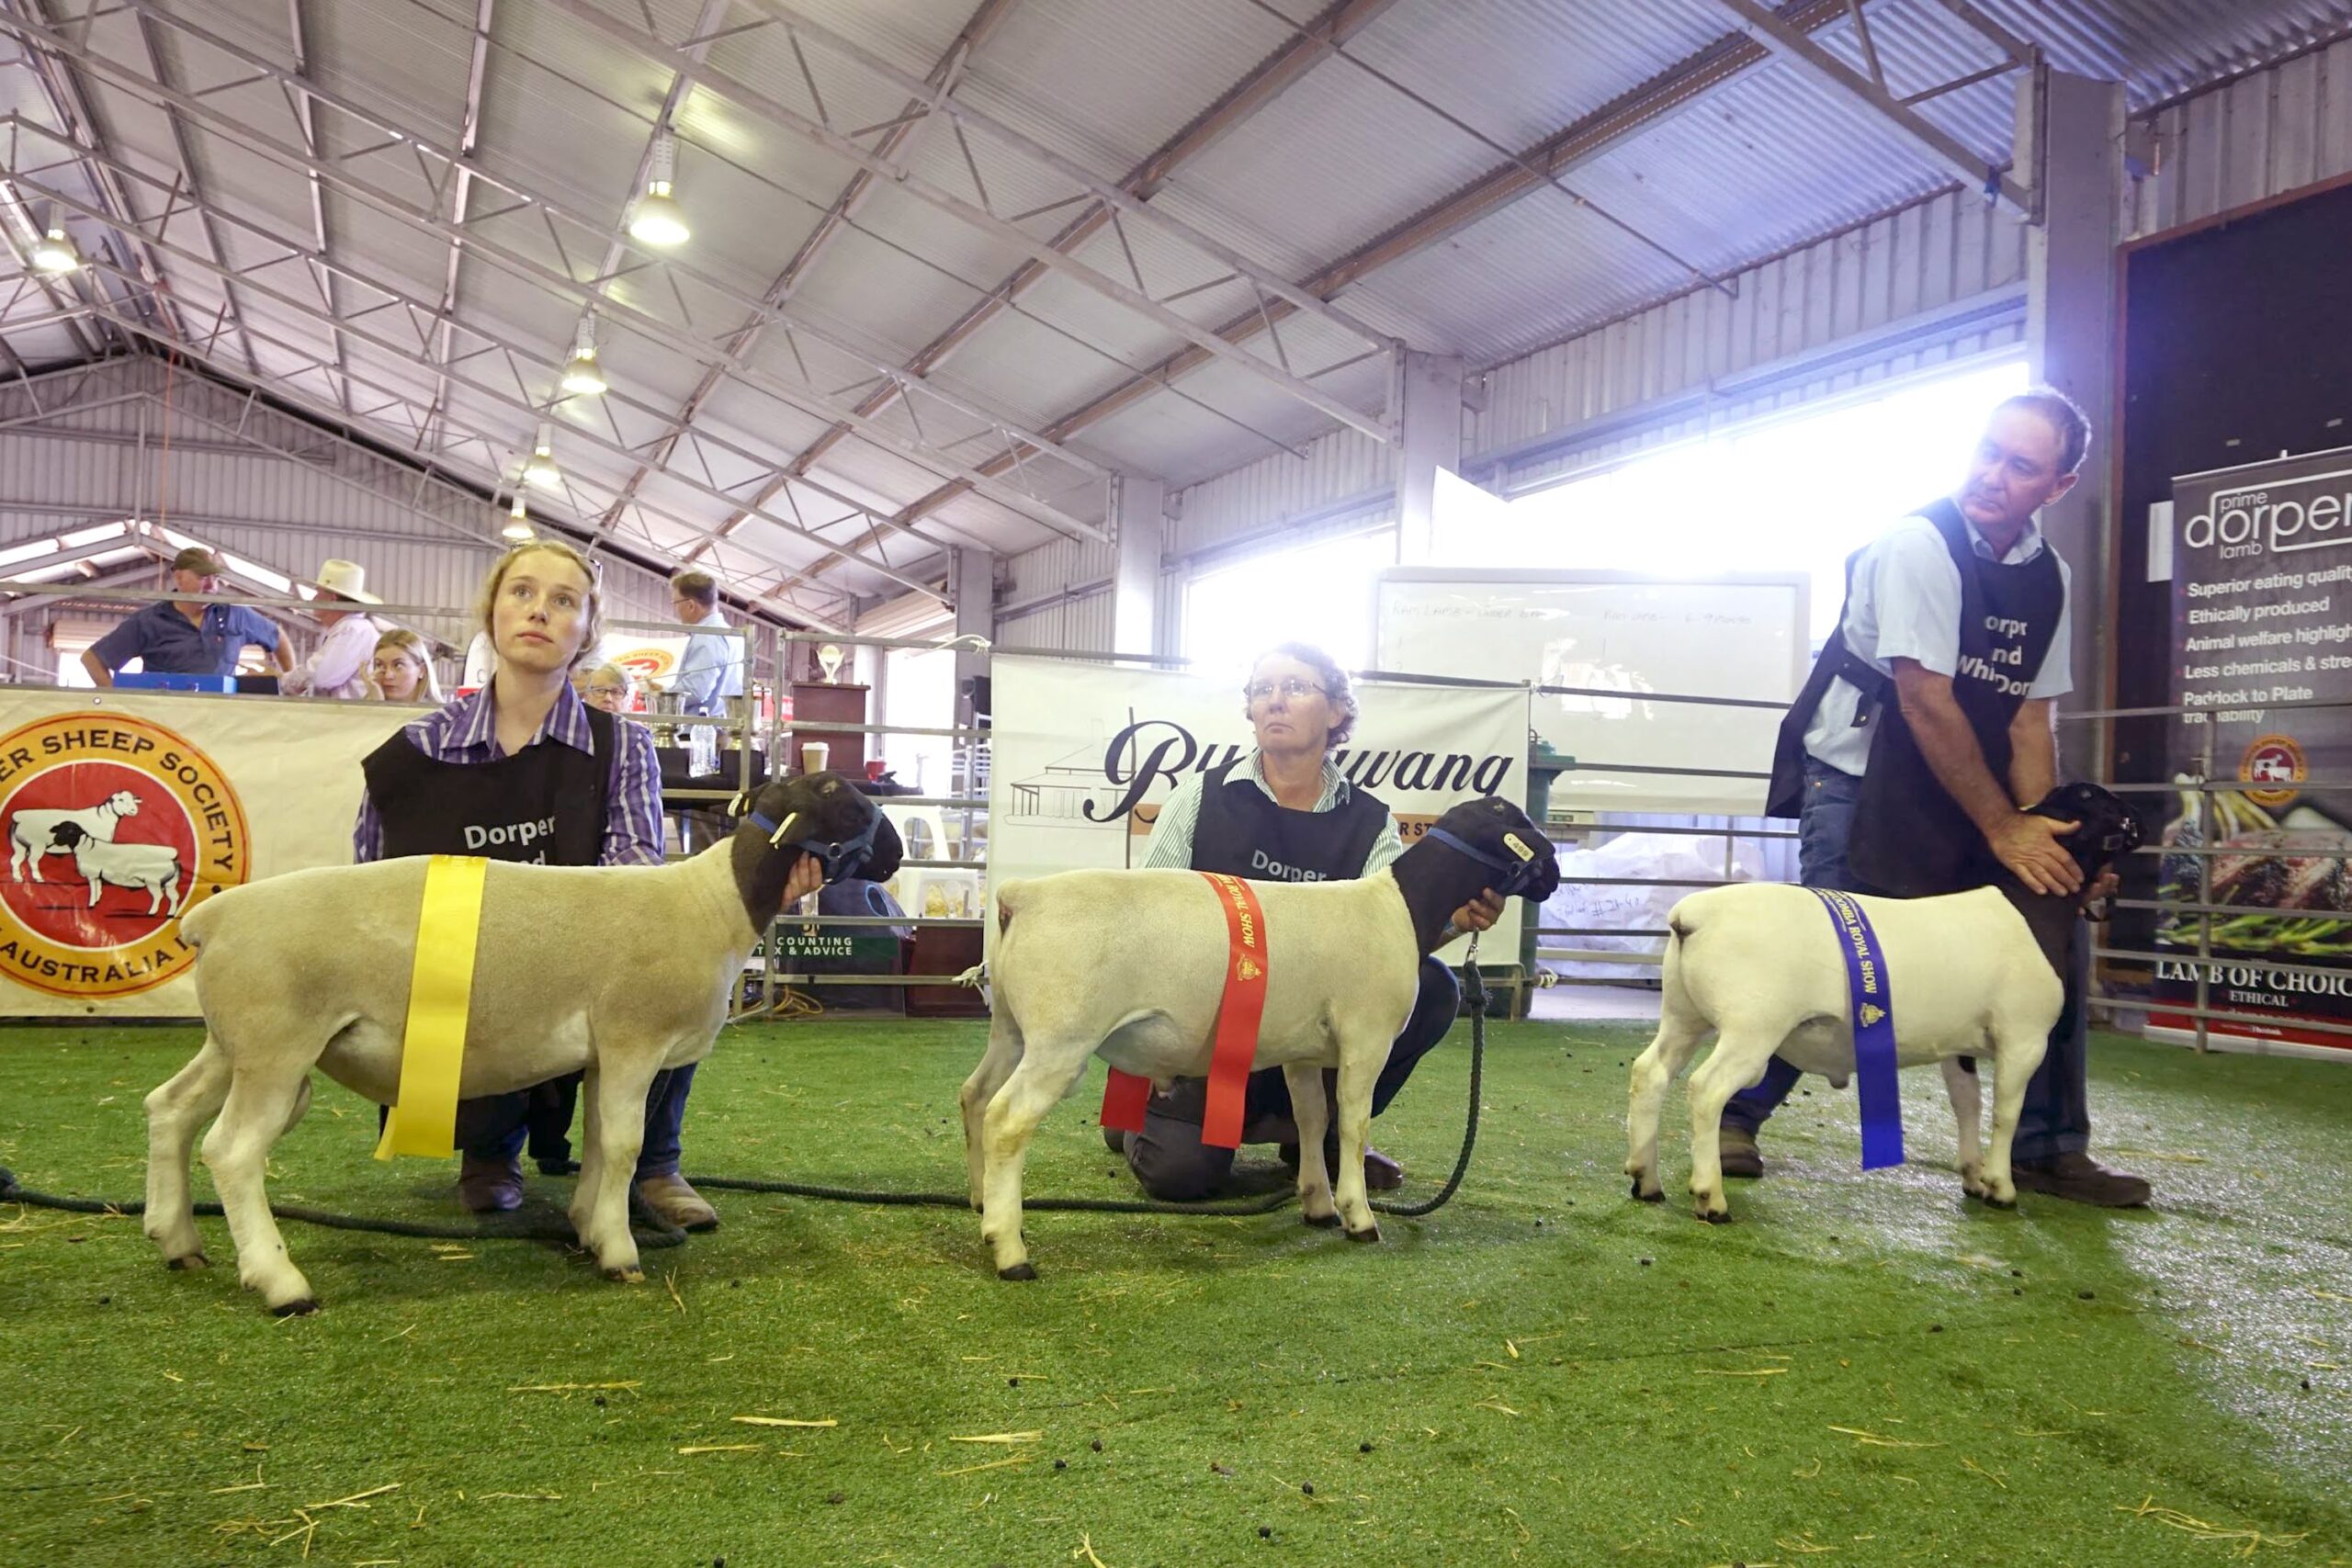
[{"x": 1873, "y": 1015}]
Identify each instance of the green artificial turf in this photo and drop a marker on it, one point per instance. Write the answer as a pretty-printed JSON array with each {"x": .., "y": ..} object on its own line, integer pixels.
[{"x": 1541, "y": 1373}]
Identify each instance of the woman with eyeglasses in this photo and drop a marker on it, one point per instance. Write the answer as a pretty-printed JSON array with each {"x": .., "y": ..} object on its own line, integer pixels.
[
  {"x": 1282, "y": 813},
  {"x": 601, "y": 686}
]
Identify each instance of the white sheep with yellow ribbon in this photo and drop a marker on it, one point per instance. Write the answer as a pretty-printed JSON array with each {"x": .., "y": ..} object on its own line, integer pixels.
[{"x": 420, "y": 981}]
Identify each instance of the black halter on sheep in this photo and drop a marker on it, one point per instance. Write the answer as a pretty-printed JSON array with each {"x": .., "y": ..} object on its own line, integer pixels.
[
  {"x": 820, "y": 815},
  {"x": 1131, "y": 966},
  {"x": 616, "y": 971}
]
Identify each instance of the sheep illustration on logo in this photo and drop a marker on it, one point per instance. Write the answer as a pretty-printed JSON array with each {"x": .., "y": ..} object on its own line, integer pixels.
[
  {"x": 152, "y": 867},
  {"x": 32, "y": 834},
  {"x": 123, "y": 806}
]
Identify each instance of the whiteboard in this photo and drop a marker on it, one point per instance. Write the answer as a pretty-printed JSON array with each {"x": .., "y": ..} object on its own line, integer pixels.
[{"x": 1743, "y": 635}]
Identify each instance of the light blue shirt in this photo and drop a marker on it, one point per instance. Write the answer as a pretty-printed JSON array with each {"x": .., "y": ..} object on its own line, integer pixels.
[
  {"x": 1904, "y": 604},
  {"x": 1171, "y": 831},
  {"x": 711, "y": 669}
]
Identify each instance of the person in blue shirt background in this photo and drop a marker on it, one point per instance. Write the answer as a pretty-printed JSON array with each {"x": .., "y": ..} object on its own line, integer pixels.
[
  {"x": 712, "y": 669},
  {"x": 174, "y": 637}
]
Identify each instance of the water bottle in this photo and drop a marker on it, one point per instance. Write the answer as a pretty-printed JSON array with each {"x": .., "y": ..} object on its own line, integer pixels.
[{"x": 702, "y": 750}]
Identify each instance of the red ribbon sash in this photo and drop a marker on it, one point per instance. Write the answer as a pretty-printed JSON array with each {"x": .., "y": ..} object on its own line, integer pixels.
[{"x": 1238, "y": 1013}]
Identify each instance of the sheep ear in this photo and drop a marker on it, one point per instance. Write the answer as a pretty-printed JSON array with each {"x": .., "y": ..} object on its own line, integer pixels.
[{"x": 783, "y": 831}]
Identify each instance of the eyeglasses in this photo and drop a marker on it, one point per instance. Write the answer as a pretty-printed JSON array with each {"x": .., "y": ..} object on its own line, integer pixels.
[{"x": 1291, "y": 689}]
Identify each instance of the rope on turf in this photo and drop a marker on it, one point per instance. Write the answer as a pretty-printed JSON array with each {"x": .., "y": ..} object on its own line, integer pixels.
[{"x": 655, "y": 1233}]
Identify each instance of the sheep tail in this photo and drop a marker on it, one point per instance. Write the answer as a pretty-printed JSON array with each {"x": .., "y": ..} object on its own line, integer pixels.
[{"x": 194, "y": 923}]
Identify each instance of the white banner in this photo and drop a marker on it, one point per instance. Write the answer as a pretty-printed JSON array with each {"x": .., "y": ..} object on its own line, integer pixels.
[
  {"x": 123, "y": 810},
  {"x": 1082, "y": 755}
]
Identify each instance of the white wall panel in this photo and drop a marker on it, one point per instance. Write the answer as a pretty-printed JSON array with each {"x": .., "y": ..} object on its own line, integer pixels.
[{"x": 2262, "y": 135}]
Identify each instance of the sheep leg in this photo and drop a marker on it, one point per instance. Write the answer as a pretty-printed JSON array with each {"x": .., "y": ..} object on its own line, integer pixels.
[
  {"x": 1037, "y": 1086},
  {"x": 1968, "y": 1105},
  {"x": 592, "y": 1164},
  {"x": 1311, "y": 1112},
  {"x": 16, "y": 861},
  {"x": 261, "y": 1102},
  {"x": 1681, "y": 1029},
  {"x": 619, "y": 1099},
  {"x": 178, "y": 1106},
  {"x": 995, "y": 1066},
  {"x": 1358, "y": 1068},
  {"x": 1737, "y": 1062},
  {"x": 2015, "y": 1057}
]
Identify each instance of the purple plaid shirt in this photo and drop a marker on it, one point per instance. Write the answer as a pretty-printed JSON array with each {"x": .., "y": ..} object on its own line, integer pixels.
[{"x": 467, "y": 731}]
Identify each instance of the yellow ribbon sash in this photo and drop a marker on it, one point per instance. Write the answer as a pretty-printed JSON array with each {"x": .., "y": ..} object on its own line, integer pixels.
[{"x": 440, "y": 990}]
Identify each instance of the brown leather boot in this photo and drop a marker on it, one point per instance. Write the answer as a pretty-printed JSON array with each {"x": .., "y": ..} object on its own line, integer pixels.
[
  {"x": 2079, "y": 1178},
  {"x": 489, "y": 1186},
  {"x": 1740, "y": 1158},
  {"x": 676, "y": 1202}
]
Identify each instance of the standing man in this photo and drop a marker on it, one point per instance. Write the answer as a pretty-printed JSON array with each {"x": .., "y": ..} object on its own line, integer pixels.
[
  {"x": 338, "y": 666},
  {"x": 712, "y": 669},
  {"x": 1924, "y": 731},
  {"x": 176, "y": 636}
]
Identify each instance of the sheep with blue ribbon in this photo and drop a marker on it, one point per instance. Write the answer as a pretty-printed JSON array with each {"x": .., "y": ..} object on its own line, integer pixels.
[{"x": 1850, "y": 985}]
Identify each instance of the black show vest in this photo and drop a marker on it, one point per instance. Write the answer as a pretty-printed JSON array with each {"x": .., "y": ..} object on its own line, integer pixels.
[
  {"x": 1910, "y": 838},
  {"x": 545, "y": 803},
  {"x": 1245, "y": 831}
]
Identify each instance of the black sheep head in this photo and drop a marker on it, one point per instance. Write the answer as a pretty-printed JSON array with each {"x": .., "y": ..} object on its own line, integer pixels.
[
  {"x": 2108, "y": 828},
  {"x": 827, "y": 816},
  {"x": 1505, "y": 834}
]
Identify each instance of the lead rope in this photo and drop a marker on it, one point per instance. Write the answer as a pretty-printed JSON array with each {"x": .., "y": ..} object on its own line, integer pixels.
[{"x": 655, "y": 1233}]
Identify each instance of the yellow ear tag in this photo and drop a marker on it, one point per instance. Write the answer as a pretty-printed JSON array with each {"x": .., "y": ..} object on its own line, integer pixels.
[
  {"x": 783, "y": 831},
  {"x": 736, "y": 806},
  {"x": 1517, "y": 848}
]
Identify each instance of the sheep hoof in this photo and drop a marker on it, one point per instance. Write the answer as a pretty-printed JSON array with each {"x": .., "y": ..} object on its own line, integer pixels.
[
  {"x": 626, "y": 1274},
  {"x": 300, "y": 1307},
  {"x": 2000, "y": 1203},
  {"x": 1652, "y": 1195},
  {"x": 1321, "y": 1222},
  {"x": 187, "y": 1261},
  {"x": 1368, "y": 1232},
  {"x": 1715, "y": 1217},
  {"x": 1018, "y": 1272}
]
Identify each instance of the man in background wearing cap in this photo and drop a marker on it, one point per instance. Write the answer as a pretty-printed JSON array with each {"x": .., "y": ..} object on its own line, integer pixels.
[{"x": 173, "y": 636}]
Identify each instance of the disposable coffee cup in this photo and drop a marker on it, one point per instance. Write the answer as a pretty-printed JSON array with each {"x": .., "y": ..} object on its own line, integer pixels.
[{"x": 813, "y": 755}]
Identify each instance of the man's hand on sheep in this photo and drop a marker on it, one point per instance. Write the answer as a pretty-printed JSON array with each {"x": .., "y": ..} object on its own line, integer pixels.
[{"x": 2029, "y": 846}]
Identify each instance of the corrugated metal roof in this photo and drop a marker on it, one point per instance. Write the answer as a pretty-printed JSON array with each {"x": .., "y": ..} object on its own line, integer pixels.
[{"x": 1331, "y": 161}]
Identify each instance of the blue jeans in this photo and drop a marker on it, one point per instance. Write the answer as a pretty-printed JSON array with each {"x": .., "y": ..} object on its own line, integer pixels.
[
  {"x": 491, "y": 1128},
  {"x": 2056, "y": 1118}
]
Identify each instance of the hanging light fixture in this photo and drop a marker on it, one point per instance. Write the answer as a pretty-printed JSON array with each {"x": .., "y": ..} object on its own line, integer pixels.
[
  {"x": 541, "y": 470},
  {"x": 518, "y": 523},
  {"x": 55, "y": 253},
  {"x": 583, "y": 377},
  {"x": 658, "y": 220}
]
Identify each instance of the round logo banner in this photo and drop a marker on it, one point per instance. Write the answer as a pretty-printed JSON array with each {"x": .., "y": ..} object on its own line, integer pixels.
[
  {"x": 116, "y": 826},
  {"x": 2275, "y": 763}
]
